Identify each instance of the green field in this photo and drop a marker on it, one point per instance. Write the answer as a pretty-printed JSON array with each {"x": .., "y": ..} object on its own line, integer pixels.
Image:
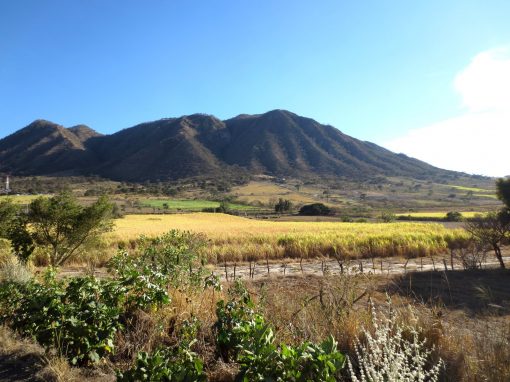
[
  {"x": 474, "y": 189},
  {"x": 193, "y": 205}
]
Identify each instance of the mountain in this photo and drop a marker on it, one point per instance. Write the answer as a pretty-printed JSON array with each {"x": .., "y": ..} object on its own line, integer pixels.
[{"x": 277, "y": 143}]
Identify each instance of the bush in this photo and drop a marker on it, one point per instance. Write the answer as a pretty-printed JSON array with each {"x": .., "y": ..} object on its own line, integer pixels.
[
  {"x": 78, "y": 320},
  {"x": 245, "y": 336},
  {"x": 387, "y": 355},
  {"x": 11, "y": 269},
  {"x": 177, "y": 254},
  {"x": 315, "y": 209},
  {"x": 453, "y": 216}
]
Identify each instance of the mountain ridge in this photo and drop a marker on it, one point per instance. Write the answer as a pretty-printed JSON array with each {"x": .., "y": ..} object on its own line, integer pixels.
[{"x": 278, "y": 143}]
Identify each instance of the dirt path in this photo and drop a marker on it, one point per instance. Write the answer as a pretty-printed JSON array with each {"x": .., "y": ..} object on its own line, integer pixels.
[
  {"x": 386, "y": 266},
  {"x": 389, "y": 266}
]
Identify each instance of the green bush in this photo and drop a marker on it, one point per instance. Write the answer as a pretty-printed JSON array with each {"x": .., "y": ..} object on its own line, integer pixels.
[
  {"x": 146, "y": 285},
  {"x": 244, "y": 336},
  {"x": 178, "y": 254},
  {"x": 79, "y": 320}
]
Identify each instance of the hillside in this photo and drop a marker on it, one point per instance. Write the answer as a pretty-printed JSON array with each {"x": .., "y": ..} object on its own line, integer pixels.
[{"x": 278, "y": 143}]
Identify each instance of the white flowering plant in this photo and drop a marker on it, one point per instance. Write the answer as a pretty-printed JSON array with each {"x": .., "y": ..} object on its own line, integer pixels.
[{"x": 393, "y": 352}]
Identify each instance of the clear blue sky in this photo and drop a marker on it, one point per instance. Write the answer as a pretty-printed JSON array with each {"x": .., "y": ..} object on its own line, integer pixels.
[{"x": 373, "y": 69}]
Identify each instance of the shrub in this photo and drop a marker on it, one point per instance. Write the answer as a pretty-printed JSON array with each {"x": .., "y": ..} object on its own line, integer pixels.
[
  {"x": 177, "y": 254},
  {"x": 453, "y": 216},
  {"x": 11, "y": 269},
  {"x": 79, "y": 319},
  {"x": 246, "y": 337},
  {"x": 145, "y": 284},
  {"x": 387, "y": 355}
]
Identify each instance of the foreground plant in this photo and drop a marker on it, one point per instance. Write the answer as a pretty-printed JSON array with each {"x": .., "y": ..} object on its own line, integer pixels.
[
  {"x": 245, "y": 336},
  {"x": 388, "y": 354}
]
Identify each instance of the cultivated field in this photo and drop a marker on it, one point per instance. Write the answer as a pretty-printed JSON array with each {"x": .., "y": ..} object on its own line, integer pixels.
[
  {"x": 235, "y": 238},
  {"x": 191, "y": 205}
]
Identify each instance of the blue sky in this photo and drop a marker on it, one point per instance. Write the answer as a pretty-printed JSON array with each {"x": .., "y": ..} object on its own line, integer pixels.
[{"x": 384, "y": 71}]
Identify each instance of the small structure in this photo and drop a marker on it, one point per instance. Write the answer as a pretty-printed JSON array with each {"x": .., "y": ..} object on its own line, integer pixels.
[{"x": 7, "y": 189}]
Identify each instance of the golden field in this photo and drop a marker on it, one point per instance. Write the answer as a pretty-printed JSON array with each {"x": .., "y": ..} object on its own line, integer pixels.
[
  {"x": 235, "y": 238},
  {"x": 435, "y": 214}
]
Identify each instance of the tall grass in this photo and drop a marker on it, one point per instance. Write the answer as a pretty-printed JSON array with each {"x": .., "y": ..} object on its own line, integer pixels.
[{"x": 234, "y": 238}]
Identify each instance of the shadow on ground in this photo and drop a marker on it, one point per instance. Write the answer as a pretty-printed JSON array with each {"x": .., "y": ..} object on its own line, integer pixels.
[
  {"x": 474, "y": 291},
  {"x": 19, "y": 368}
]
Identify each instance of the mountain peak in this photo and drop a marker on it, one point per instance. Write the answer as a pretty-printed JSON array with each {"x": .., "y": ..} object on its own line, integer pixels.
[{"x": 278, "y": 142}]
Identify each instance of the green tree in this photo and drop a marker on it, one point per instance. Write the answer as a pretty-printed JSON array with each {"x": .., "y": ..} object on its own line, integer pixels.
[
  {"x": 283, "y": 205},
  {"x": 8, "y": 214},
  {"x": 503, "y": 191},
  {"x": 63, "y": 225},
  {"x": 315, "y": 209},
  {"x": 388, "y": 216}
]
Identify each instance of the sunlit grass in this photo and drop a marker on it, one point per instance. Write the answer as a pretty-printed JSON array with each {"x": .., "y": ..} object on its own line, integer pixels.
[
  {"x": 239, "y": 239},
  {"x": 19, "y": 199}
]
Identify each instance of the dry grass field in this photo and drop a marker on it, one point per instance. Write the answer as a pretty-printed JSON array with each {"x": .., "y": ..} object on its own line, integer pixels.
[
  {"x": 265, "y": 192},
  {"x": 438, "y": 214},
  {"x": 235, "y": 238}
]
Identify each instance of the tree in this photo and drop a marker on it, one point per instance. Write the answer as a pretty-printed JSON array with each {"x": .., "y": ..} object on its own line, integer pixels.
[
  {"x": 283, "y": 205},
  {"x": 503, "y": 191},
  {"x": 63, "y": 225},
  {"x": 315, "y": 209},
  {"x": 492, "y": 230},
  {"x": 388, "y": 216},
  {"x": 8, "y": 214}
]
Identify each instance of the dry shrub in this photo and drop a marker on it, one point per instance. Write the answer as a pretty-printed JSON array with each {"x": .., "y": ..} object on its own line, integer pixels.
[
  {"x": 312, "y": 308},
  {"x": 11, "y": 269},
  {"x": 5, "y": 250}
]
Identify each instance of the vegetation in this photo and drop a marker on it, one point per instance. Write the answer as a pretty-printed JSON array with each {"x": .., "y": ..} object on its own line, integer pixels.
[
  {"x": 503, "y": 191},
  {"x": 315, "y": 209},
  {"x": 192, "y": 205},
  {"x": 491, "y": 230},
  {"x": 63, "y": 225},
  {"x": 235, "y": 238},
  {"x": 283, "y": 205},
  {"x": 387, "y": 355}
]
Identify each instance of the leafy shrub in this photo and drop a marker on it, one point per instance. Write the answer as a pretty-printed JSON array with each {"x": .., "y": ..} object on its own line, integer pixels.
[
  {"x": 387, "y": 355},
  {"x": 246, "y": 337},
  {"x": 177, "y": 254},
  {"x": 315, "y": 209},
  {"x": 145, "y": 285},
  {"x": 79, "y": 319}
]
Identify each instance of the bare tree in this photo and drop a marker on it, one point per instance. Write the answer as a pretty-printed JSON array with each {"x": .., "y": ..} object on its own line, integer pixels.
[{"x": 492, "y": 229}]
